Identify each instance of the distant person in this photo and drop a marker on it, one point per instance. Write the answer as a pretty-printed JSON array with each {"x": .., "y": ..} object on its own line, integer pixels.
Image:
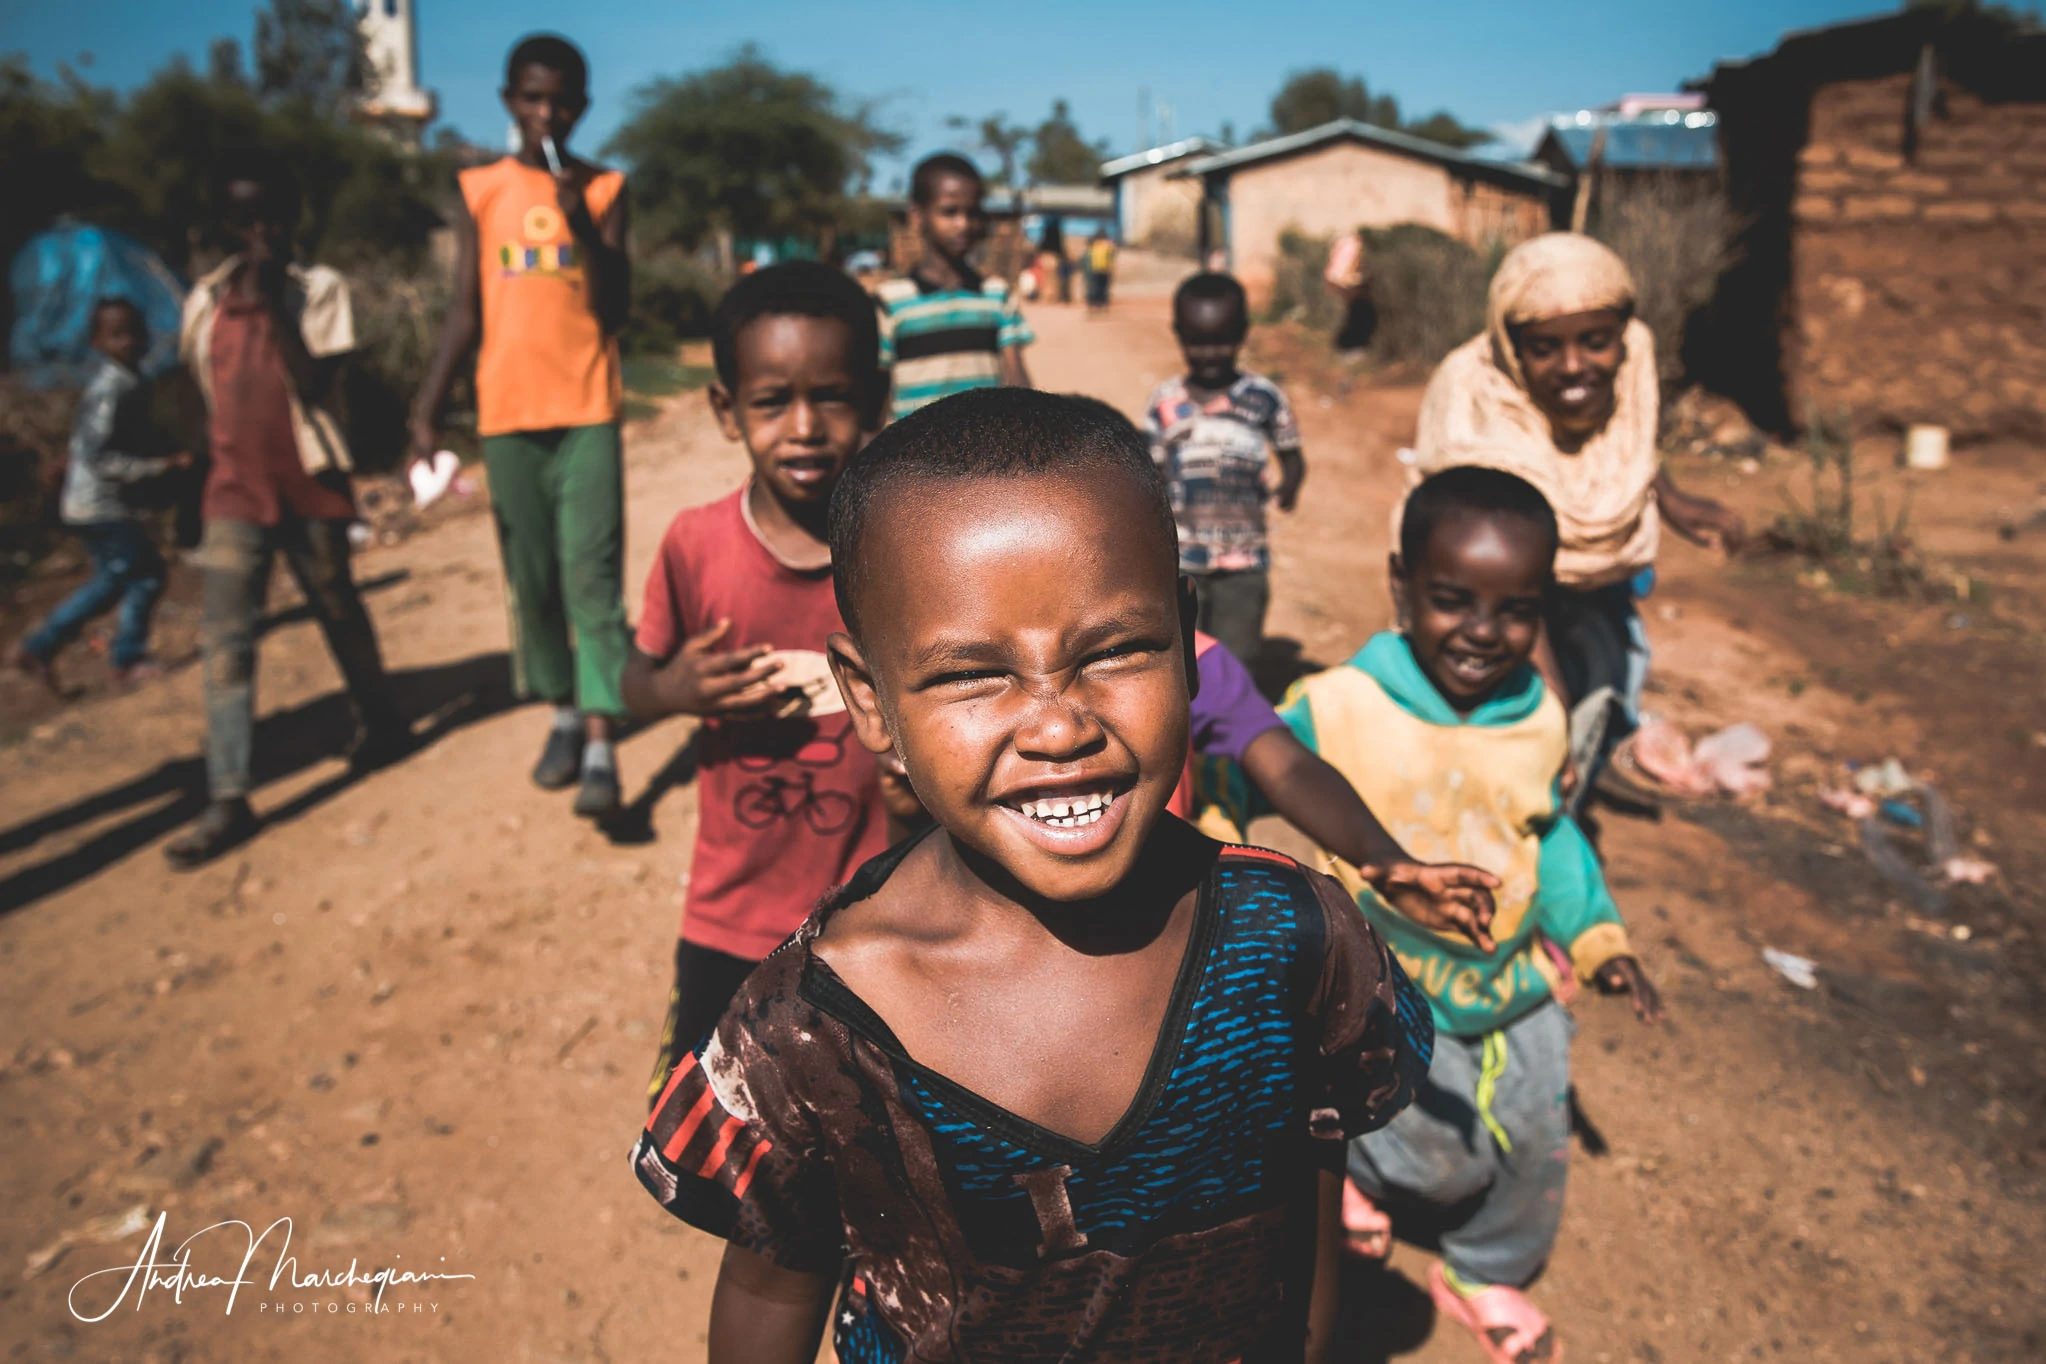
[
  {"x": 1214, "y": 431},
  {"x": 541, "y": 276},
  {"x": 265, "y": 340},
  {"x": 1561, "y": 389},
  {"x": 111, "y": 443},
  {"x": 1100, "y": 269},
  {"x": 1059, "y": 1078},
  {"x": 738, "y": 608},
  {"x": 1454, "y": 740},
  {"x": 945, "y": 328}
]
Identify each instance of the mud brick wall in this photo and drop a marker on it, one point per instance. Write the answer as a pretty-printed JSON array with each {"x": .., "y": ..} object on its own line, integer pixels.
[{"x": 1918, "y": 277}]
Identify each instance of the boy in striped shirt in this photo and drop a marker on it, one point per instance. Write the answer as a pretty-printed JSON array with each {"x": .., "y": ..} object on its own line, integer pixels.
[{"x": 945, "y": 329}]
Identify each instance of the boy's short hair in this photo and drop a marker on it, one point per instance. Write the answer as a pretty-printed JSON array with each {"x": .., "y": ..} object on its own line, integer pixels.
[
  {"x": 552, "y": 51},
  {"x": 118, "y": 302},
  {"x": 985, "y": 434},
  {"x": 1471, "y": 490},
  {"x": 923, "y": 181},
  {"x": 246, "y": 162},
  {"x": 1210, "y": 286},
  {"x": 800, "y": 288}
]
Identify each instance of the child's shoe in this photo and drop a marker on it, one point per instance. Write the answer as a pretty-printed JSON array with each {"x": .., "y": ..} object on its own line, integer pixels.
[
  {"x": 34, "y": 667},
  {"x": 1507, "y": 1326},
  {"x": 133, "y": 675},
  {"x": 561, "y": 760}
]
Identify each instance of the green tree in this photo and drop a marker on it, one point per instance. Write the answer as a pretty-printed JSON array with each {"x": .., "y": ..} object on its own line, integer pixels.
[
  {"x": 1311, "y": 98},
  {"x": 1059, "y": 155},
  {"x": 312, "y": 50},
  {"x": 745, "y": 148},
  {"x": 999, "y": 137},
  {"x": 1323, "y": 94},
  {"x": 49, "y": 136},
  {"x": 1441, "y": 127}
]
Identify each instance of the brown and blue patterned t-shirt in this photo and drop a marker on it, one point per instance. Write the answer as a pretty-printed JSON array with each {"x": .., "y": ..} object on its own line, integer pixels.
[
  {"x": 1214, "y": 451},
  {"x": 804, "y": 1133}
]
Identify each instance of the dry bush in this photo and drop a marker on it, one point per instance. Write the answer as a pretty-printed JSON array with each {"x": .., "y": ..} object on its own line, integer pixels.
[
  {"x": 1428, "y": 291},
  {"x": 1676, "y": 235},
  {"x": 1298, "y": 294},
  {"x": 1424, "y": 296}
]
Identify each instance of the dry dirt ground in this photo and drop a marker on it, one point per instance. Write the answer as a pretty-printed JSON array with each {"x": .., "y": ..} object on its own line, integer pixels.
[{"x": 414, "y": 1015}]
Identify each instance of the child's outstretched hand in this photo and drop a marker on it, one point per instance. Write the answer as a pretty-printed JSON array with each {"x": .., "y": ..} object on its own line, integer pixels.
[
  {"x": 702, "y": 679},
  {"x": 1443, "y": 897},
  {"x": 1624, "y": 976}
]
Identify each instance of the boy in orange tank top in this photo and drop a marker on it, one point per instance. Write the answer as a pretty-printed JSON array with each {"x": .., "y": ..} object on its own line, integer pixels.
[{"x": 542, "y": 287}]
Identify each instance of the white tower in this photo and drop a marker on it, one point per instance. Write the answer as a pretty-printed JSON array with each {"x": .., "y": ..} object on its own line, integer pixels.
[{"x": 391, "y": 34}]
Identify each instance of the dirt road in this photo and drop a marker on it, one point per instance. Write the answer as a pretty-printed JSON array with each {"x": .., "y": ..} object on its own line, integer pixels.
[{"x": 414, "y": 1016}]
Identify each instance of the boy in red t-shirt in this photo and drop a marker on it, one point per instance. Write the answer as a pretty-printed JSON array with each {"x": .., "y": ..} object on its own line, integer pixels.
[{"x": 738, "y": 608}]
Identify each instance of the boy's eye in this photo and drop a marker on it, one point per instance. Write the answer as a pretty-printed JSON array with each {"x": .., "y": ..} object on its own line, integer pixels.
[{"x": 1448, "y": 601}]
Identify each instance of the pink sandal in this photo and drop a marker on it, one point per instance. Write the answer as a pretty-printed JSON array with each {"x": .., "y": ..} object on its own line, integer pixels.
[
  {"x": 1507, "y": 1327},
  {"x": 1367, "y": 1231}
]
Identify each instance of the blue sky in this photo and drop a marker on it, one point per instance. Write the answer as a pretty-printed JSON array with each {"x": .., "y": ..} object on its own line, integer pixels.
[{"x": 1489, "y": 62}]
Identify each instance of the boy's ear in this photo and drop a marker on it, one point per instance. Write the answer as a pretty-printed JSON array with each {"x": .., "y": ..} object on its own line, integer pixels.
[
  {"x": 862, "y": 696},
  {"x": 722, "y": 407},
  {"x": 1396, "y": 582},
  {"x": 1189, "y": 611}
]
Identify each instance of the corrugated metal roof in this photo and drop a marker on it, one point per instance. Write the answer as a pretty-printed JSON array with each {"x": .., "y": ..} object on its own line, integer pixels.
[
  {"x": 1670, "y": 141},
  {"x": 1350, "y": 129},
  {"x": 1155, "y": 156}
]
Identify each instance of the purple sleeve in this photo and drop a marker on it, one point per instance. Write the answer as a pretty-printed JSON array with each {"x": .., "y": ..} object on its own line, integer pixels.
[{"x": 1229, "y": 712}]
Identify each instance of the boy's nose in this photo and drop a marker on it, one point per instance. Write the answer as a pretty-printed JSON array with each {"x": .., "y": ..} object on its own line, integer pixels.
[{"x": 1054, "y": 728}]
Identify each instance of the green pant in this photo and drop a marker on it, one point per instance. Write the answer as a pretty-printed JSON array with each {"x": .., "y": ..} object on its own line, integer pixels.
[{"x": 559, "y": 499}]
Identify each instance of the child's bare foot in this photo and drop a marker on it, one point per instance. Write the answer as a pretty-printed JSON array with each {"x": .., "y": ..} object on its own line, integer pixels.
[{"x": 1367, "y": 1231}]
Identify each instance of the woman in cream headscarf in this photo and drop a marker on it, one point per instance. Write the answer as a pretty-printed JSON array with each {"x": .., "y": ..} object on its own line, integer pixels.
[{"x": 1561, "y": 389}]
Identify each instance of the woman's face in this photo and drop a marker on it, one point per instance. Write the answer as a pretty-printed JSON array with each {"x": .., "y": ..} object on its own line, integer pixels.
[{"x": 1569, "y": 362}]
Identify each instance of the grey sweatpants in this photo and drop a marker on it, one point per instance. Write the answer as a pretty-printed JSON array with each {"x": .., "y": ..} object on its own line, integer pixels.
[{"x": 1441, "y": 1150}]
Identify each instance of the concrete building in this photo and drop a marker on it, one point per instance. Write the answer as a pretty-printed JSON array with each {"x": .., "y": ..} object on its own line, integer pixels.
[
  {"x": 1345, "y": 175},
  {"x": 1153, "y": 209},
  {"x": 1892, "y": 173},
  {"x": 391, "y": 34}
]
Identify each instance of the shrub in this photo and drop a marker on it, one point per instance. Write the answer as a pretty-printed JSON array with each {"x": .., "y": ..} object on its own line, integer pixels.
[
  {"x": 397, "y": 325},
  {"x": 1677, "y": 238},
  {"x": 1424, "y": 297},
  {"x": 673, "y": 293},
  {"x": 1428, "y": 291}
]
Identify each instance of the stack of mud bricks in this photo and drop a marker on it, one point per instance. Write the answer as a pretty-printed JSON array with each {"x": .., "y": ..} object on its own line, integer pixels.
[{"x": 1919, "y": 278}]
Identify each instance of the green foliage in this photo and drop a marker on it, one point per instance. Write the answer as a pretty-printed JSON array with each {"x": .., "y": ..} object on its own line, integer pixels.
[
  {"x": 1323, "y": 94},
  {"x": 673, "y": 293},
  {"x": 1059, "y": 155},
  {"x": 744, "y": 148},
  {"x": 1001, "y": 139},
  {"x": 310, "y": 50},
  {"x": 144, "y": 165}
]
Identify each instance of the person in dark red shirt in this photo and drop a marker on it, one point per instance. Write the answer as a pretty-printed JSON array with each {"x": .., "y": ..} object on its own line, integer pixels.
[
  {"x": 265, "y": 340},
  {"x": 738, "y": 607}
]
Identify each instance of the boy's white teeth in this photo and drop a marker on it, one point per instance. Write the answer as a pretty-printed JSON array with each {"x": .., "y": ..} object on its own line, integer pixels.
[{"x": 1066, "y": 812}]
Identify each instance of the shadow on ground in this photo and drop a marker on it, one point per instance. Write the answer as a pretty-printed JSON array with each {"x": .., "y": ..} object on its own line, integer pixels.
[{"x": 446, "y": 697}]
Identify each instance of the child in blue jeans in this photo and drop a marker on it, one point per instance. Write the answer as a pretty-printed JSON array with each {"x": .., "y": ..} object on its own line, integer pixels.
[
  {"x": 1453, "y": 739},
  {"x": 108, "y": 438}
]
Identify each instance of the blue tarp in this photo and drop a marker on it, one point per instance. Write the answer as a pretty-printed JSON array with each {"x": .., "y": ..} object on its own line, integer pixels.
[{"x": 61, "y": 274}]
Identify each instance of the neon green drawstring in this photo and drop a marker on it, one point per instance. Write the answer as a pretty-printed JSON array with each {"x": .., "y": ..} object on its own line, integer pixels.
[{"x": 1491, "y": 1066}]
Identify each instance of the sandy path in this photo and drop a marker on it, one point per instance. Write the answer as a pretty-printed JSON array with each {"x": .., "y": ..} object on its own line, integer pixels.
[{"x": 414, "y": 1016}]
